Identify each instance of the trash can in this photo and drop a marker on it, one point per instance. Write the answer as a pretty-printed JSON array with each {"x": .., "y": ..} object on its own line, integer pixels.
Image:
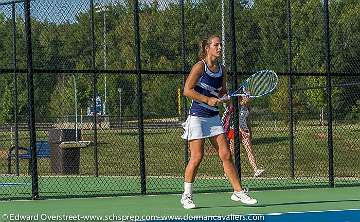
[{"x": 64, "y": 160}]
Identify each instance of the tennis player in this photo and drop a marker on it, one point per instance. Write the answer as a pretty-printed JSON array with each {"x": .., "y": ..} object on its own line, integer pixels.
[
  {"x": 245, "y": 133},
  {"x": 205, "y": 85}
]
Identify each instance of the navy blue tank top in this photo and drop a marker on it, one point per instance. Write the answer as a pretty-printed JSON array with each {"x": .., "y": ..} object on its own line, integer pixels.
[{"x": 209, "y": 84}]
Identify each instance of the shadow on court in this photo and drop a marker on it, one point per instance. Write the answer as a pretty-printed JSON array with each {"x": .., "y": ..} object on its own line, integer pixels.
[
  {"x": 308, "y": 202},
  {"x": 270, "y": 140},
  {"x": 137, "y": 133},
  {"x": 279, "y": 204},
  {"x": 226, "y": 207}
]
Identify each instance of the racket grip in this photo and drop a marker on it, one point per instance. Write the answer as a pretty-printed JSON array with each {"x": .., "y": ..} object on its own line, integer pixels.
[{"x": 226, "y": 97}]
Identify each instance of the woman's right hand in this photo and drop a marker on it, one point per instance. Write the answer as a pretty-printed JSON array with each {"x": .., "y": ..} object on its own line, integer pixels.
[
  {"x": 212, "y": 101},
  {"x": 244, "y": 100}
]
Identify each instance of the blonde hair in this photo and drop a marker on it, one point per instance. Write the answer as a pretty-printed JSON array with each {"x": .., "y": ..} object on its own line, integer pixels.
[{"x": 202, "y": 46}]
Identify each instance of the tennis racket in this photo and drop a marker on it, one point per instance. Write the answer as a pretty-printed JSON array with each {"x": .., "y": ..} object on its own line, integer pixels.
[{"x": 259, "y": 84}]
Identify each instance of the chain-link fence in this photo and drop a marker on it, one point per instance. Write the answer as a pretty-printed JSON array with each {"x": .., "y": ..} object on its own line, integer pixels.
[{"x": 101, "y": 98}]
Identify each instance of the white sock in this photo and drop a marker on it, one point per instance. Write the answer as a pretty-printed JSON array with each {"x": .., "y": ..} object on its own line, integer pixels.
[
  {"x": 187, "y": 188},
  {"x": 239, "y": 192}
]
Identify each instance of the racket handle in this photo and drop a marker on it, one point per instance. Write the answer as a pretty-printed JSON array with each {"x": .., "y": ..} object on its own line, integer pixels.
[{"x": 226, "y": 97}]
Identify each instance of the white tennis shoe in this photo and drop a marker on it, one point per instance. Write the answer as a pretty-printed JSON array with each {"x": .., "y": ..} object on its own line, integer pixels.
[
  {"x": 187, "y": 201},
  {"x": 243, "y": 197}
]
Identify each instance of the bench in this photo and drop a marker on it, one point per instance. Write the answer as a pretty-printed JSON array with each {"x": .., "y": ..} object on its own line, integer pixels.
[{"x": 42, "y": 151}]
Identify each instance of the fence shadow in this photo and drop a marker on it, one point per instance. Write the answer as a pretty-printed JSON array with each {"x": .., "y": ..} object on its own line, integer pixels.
[{"x": 270, "y": 140}]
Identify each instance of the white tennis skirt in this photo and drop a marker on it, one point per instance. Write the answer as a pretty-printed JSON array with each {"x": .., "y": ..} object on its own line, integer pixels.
[{"x": 202, "y": 127}]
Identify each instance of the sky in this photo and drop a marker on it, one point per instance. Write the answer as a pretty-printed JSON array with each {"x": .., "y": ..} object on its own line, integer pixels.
[
  {"x": 56, "y": 11},
  {"x": 65, "y": 11},
  {"x": 61, "y": 11}
]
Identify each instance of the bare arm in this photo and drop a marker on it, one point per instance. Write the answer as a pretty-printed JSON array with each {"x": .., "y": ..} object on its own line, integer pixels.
[{"x": 191, "y": 81}]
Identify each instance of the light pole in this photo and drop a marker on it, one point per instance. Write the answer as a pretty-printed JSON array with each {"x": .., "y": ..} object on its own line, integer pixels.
[
  {"x": 104, "y": 9},
  {"x": 120, "y": 119},
  {"x": 76, "y": 113}
]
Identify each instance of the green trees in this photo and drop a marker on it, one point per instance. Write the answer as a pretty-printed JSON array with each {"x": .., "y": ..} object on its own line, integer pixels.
[
  {"x": 270, "y": 16},
  {"x": 261, "y": 29},
  {"x": 346, "y": 51},
  {"x": 345, "y": 42}
]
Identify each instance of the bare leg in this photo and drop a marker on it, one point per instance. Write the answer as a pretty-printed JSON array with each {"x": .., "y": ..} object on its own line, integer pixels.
[
  {"x": 197, "y": 153},
  {"x": 220, "y": 144},
  {"x": 232, "y": 146},
  {"x": 246, "y": 140}
]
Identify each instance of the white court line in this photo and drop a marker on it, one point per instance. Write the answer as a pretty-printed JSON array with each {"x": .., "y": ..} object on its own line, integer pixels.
[
  {"x": 310, "y": 211},
  {"x": 5, "y": 184}
]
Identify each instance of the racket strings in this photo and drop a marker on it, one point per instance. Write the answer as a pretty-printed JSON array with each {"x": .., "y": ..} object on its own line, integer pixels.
[{"x": 261, "y": 84}]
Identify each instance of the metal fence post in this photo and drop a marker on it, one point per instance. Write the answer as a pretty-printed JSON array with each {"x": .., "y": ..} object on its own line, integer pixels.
[
  {"x": 15, "y": 90},
  {"x": 328, "y": 93},
  {"x": 31, "y": 109},
  {"x": 93, "y": 66},
  {"x": 234, "y": 84},
  {"x": 184, "y": 69},
  {"x": 139, "y": 97},
  {"x": 290, "y": 93}
]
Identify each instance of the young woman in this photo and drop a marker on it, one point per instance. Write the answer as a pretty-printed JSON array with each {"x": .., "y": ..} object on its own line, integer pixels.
[
  {"x": 205, "y": 85},
  {"x": 245, "y": 133}
]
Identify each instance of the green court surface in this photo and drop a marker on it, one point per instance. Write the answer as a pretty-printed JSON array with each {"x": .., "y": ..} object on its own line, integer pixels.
[
  {"x": 208, "y": 204},
  {"x": 19, "y": 187}
]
